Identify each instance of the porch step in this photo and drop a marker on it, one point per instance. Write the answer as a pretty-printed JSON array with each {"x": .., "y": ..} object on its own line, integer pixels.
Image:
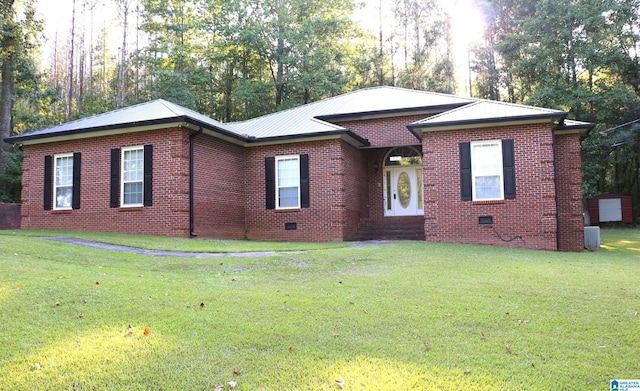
[{"x": 391, "y": 228}]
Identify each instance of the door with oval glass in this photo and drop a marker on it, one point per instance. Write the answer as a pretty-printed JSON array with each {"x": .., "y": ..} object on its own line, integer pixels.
[{"x": 403, "y": 185}]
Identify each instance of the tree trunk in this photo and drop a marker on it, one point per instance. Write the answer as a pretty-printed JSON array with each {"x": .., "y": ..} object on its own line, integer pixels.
[
  {"x": 280, "y": 65},
  {"x": 7, "y": 69},
  {"x": 70, "y": 92}
]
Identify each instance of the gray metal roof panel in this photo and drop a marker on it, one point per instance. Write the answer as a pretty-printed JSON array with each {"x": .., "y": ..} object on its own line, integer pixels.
[
  {"x": 304, "y": 119},
  {"x": 570, "y": 123},
  {"x": 483, "y": 111},
  {"x": 156, "y": 111}
]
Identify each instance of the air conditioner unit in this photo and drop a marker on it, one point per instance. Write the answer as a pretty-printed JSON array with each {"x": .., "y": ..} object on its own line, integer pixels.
[{"x": 591, "y": 237}]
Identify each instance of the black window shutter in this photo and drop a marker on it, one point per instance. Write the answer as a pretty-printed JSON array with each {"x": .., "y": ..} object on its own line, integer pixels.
[
  {"x": 304, "y": 181},
  {"x": 270, "y": 182},
  {"x": 465, "y": 171},
  {"x": 115, "y": 178},
  {"x": 48, "y": 182},
  {"x": 508, "y": 167},
  {"x": 75, "y": 197},
  {"x": 148, "y": 175}
]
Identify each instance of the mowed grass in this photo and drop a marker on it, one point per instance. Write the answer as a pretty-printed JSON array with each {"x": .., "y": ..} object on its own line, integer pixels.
[{"x": 398, "y": 316}]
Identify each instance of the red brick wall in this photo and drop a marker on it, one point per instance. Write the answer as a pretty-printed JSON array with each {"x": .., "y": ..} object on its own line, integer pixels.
[
  {"x": 570, "y": 206},
  {"x": 169, "y": 214},
  {"x": 354, "y": 167},
  {"x": 376, "y": 181},
  {"x": 219, "y": 188},
  {"x": 385, "y": 131},
  {"x": 527, "y": 221},
  {"x": 325, "y": 219}
]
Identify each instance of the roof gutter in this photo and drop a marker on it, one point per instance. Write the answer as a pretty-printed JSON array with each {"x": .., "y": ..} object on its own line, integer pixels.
[{"x": 192, "y": 232}]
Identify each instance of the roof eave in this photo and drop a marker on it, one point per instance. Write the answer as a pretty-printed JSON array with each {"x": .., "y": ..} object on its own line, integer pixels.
[
  {"x": 344, "y": 134},
  {"x": 485, "y": 122},
  {"x": 574, "y": 129},
  {"x": 391, "y": 113},
  {"x": 97, "y": 131}
]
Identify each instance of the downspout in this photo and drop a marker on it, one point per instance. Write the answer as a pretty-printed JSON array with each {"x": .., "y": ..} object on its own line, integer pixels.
[
  {"x": 555, "y": 182},
  {"x": 191, "y": 170}
]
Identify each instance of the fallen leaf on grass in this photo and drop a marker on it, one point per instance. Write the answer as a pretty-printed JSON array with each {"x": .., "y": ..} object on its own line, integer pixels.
[
  {"x": 508, "y": 348},
  {"x": 426, "y": 345},
  {"x": 37, "y": 366},
  {"x": 219, "y": 388},
  {"x": 340, "y": 384},
  {"x": 525, "y": 321},
  {"x": 147, "y": 331},
  {"x": 236, "y": 373},
  {"x": 202, "y": 305},
  {"x": 232, "y": 384},
  {"x": 335, "y": 335},
  {"x": 80, "y": 315},
  {"x": 482, "y": 336},
  {"x": 57, "y": 304}
]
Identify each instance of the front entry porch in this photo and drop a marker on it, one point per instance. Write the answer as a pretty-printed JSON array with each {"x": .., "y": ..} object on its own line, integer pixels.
[{"x": 395, "y": 196}]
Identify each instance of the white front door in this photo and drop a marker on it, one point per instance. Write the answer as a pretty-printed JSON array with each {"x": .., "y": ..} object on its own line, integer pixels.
[{"x": 403, "y": 195}]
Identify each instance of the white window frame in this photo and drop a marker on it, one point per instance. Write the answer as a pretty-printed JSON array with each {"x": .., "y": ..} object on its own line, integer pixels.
[
  {"x": 478, "y": 170},
  {"x": 122, "y": 176},
  {"x": 56, "y": 186},
  {"x": 279, "y": 159}
]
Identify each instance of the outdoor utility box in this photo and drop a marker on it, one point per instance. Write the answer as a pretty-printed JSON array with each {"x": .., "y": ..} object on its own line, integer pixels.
[
  {"x": 591, "y": 237},
  {"x": 610, "y": 207}
]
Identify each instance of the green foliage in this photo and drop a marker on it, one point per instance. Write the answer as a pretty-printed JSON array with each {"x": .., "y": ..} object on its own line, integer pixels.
[
  {"x": 11, "y": 179},
  {"x": 577, "y": 56},
  {"x": 399, "y": 316}
]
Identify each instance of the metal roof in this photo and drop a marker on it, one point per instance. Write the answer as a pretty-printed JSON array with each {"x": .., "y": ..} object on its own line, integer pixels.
[
  {"x": 569, "y": 125},
  {"x": 309, "y": 118},
  {"x": 315, "y": 119},
  {"x": 486, "y": 111},
  {"x": 150, "y": 113}
]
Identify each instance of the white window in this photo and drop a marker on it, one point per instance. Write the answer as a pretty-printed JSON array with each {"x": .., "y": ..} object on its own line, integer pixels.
[
  {"x": 486, "y": 170},
  {"x": 132, "y": 176},
  {"x": 63, "y": 181},
  {"x": 288, "y": 182}
]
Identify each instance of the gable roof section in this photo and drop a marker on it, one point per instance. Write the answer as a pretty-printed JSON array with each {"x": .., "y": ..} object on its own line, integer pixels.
[
  {"x": 484, "y": 113},
  {"x": 154, "y": 113},
  {"x": 312, "y": 118}
]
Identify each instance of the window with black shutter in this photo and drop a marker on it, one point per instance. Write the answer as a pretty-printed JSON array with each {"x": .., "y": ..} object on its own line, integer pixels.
[
  {"x": 493, "y": 177},
  {"x": 287, "y": 182}
]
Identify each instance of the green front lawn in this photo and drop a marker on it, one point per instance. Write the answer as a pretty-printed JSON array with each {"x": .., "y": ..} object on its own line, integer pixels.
[{"x": 399, "y": 316}]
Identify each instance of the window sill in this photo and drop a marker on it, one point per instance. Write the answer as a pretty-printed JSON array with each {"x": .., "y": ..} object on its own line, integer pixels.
[
  {"x": 491, "y": 202},
  {"x": 130, "y": 208},
  {"x": 61, "y": 211},
  {"x": 292, "y": 210}
]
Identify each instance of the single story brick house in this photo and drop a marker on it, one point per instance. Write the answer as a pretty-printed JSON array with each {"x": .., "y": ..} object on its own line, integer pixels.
[{"x": 375, "y": 163}]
